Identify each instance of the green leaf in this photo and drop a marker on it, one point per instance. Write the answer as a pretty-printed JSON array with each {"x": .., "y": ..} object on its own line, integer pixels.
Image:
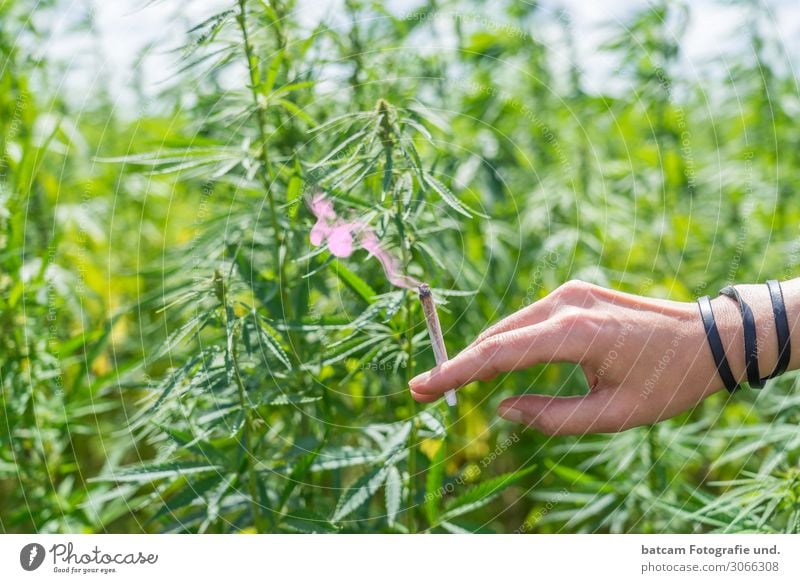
[
  {"x": 351, "y": 347},
  {"x": 433, "y": 484},
  {"x": 272, "y": 72},
  {"x": 230, "y": 343},
  {"x": 448, "y": 197},
  {"x": 175, "y": 378},
  {"x": 353, "y": 281},
  {"x": 394, "y": 492},
  {"x": 297, "y": 111},
  {"x": 480, "y": 495},
  {"x": 333, "y": 155},
  {"x": 345, "y": 457},
  {"x": 454, "y": 528},
  {"x": 185, "y": 496},
  {"x": 291, "y": 87},
  {"x": 194, "y": 325},
  {"x": 272, "y": 340},
  {"x": 360, "y": 492},
  {"x": 578, "y": 477},
  {"x": 307, "y": 522},
  {"x": 432, "y": 420},
  {"x": 294, "y": 191},
  {"x": 298, "y": 473},
  {"x": 158, "y": 471},
  {"x": 286, "y": 399}
]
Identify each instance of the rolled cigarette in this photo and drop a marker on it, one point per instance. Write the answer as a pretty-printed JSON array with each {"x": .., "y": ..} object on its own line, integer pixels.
[{"x": 435, "y": 334}]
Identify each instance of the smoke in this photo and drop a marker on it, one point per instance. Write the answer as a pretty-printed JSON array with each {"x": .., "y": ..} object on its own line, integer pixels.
[{"x": 344, "y": 237}]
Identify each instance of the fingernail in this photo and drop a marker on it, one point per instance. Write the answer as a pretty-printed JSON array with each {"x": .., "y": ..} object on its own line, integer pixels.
[
  {"x": 511, "y": 414},
  {"x": 417, "y": 380}
]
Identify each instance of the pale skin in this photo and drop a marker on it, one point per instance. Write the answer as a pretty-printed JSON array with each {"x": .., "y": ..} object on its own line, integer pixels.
[{"x": 645, "y": 359}]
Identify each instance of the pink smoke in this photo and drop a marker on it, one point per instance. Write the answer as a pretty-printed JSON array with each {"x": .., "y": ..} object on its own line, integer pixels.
[{"x": 343, "y": 236}]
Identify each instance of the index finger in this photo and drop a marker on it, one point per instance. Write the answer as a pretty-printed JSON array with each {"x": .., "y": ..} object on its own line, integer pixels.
[{"x": 549, "y": 341}]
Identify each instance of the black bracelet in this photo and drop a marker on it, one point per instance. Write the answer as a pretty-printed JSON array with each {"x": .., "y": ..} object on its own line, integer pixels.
[
  {"x": 750, "y": 338},
  {"x": 781, "y": 327},
  {"x": 715, "y": 343}
]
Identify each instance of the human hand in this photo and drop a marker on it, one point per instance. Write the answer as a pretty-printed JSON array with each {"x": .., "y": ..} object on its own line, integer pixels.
[{"x": 644, "y": 359}]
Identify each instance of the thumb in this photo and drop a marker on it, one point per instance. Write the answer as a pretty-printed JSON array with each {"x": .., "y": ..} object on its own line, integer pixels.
[{"x": 599, "y": 411}]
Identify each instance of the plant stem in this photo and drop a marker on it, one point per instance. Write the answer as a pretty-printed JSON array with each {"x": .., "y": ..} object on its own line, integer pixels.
[
  {"x": 387, "y": 138},
  {"x": 263, "y": 157},
  {"x": 252, "y": 477},
  {"x": 412, "y": 437},
  {"x": 654, "y": 475}
]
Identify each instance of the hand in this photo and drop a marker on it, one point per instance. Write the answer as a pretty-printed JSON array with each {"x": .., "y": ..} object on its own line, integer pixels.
[{"x": 644, "y": 359}]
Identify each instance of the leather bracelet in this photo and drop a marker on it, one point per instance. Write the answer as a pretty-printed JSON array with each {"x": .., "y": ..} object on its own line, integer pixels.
[
  {"x": 715, "y": 343},
  {"x": 781, "y": 327},
  {"x": 750, "y": 338}
]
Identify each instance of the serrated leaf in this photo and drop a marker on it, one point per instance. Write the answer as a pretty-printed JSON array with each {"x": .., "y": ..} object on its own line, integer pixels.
[
  {"x": 351, "y": 347},
  {"x": 178, "y": 376},
  {"x": 272, "y": 341},
  {"x": 431, "y": 420},
  {"x": 360, "y": 492},
  {"x": 159, "y": 471},
  {"x": 394, "y": 492},
  {"x": 292, "y": 400},
  {"x": 345, "y": 457},
  {"x": 419, "y": 127},
  {"x": 334, "y": 154},
  {"x": 448, "y": 197},
  {"x": 480, "y": 495}
]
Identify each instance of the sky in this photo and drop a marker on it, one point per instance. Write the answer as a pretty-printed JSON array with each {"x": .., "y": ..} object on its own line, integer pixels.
[{"x": 124, "y": 28}]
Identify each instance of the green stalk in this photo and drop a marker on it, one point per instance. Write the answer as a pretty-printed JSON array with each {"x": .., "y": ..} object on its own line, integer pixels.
[
  {"x": 412, "y": 438},
  {"x": 246, "y": 441},
  {"x": 252, "y": 477},
  {"x": 387, "y": 138},
  {"x": 263, "y": 157}
]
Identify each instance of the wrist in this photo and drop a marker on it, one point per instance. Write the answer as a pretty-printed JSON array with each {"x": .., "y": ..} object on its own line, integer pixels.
[{"x": 729, "y": 322}]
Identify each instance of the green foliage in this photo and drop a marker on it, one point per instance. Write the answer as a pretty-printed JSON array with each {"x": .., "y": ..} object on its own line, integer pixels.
[{"x": 177, "y": 357}]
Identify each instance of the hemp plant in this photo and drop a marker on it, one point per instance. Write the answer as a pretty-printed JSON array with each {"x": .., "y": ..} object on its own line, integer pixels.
[{"x": 266, "y": 414}]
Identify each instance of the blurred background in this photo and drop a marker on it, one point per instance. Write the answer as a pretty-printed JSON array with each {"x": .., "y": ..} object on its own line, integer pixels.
[{"x": 177, "y": 357}]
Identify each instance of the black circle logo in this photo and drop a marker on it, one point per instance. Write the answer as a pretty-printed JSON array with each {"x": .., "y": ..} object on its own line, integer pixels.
[{"x": 31, "y": 556}]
